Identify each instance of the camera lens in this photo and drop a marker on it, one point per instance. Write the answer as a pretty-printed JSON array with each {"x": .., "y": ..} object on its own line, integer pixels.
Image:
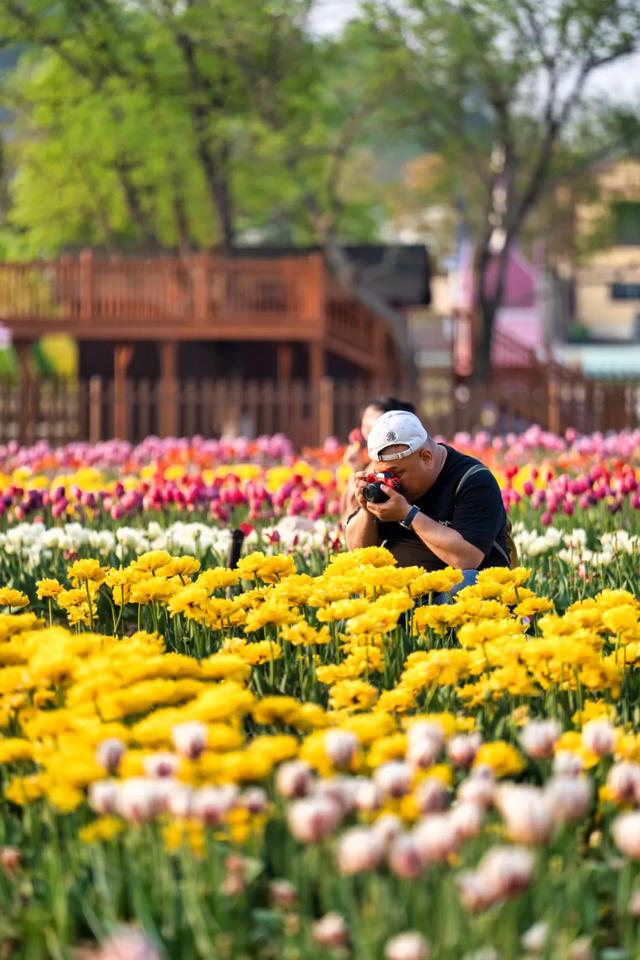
[{"x": 373, "y": 494}]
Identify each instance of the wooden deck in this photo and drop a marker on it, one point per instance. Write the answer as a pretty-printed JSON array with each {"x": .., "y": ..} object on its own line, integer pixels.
[{"x": 202, "y": 297}]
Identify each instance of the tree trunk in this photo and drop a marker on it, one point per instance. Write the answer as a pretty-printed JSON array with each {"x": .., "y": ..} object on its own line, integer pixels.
[{"x": 488, "y": 302}]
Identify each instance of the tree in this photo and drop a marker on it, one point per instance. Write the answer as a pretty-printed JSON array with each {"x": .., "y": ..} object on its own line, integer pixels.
[{"x": 495, "y": 85}]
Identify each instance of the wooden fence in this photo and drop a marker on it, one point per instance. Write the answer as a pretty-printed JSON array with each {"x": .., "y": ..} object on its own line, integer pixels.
[{"x": 62, "y": 412}]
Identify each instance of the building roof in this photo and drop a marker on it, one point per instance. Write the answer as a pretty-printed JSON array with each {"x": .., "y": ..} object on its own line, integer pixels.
[
  {"x": 399, "y": 273},
  {"x": 603, "y": 361}
]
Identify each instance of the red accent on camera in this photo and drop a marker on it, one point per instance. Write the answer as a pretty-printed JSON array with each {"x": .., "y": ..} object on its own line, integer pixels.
[{"x": 387, "y": 477}]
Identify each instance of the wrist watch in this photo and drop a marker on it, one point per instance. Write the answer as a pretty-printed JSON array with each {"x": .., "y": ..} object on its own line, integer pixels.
[{"x": 410, "y": 517}]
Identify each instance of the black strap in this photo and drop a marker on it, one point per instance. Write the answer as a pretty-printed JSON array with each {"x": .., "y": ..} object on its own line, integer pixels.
[{"x": 471, "y": 472}]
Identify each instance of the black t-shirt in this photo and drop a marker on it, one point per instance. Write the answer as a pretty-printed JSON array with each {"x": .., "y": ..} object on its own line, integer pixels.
[{"x": 477, "y": 513}]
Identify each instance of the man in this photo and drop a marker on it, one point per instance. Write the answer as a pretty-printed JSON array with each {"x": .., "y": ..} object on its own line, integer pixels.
[{"x": 448, "y": 511}]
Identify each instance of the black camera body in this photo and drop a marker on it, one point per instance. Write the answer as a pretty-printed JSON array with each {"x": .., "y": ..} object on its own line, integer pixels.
[{"x": 372, "y": 493}]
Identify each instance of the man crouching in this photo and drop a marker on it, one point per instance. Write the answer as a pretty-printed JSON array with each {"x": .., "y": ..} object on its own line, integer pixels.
[{"x": 435, "y": 508}]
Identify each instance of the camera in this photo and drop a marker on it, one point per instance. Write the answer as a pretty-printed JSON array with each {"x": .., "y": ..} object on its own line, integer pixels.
[{"x": 372, "y": 492}]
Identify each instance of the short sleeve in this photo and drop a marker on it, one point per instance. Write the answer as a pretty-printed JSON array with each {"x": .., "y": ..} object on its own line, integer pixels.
[{"x": 478, "y": 514}]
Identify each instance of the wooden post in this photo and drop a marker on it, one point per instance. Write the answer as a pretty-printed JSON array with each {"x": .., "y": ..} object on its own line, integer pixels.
[
  {"x": 86, "y": 285},
  {"x": 553, "y": 401},
  {"x": 168, "y": 388},
  {"x": 26, "y": 414},
  {"x": 122, "y": 354},
  {"x": 314, "y": 298},
  {"x": 285, "y": 362},
  {"x": 325, "y": 411},
  {"x": 95, "y": 409},
  {"x": 316, "y": 374},
  {"x": 200, "y": 279}
]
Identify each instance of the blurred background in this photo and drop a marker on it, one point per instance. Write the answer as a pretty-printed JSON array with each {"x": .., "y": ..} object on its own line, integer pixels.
[{"x": 221, "y": 217}]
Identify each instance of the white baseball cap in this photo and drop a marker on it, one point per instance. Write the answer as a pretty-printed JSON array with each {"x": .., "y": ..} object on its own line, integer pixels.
[{"x": 393, "y": 428}]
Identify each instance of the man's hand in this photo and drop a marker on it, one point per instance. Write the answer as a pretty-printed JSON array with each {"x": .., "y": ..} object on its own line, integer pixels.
[{"x": 395, "y": 508}]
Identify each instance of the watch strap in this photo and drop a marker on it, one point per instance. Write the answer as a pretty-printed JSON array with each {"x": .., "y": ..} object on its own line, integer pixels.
[{"x": 410, "y": 517}]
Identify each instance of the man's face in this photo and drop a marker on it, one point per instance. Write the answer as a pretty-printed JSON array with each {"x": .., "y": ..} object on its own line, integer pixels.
[{"x": 414, "y": 472}]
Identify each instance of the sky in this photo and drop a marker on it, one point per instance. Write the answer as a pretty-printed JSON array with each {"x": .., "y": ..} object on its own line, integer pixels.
[{"x": 619, "y": 80}]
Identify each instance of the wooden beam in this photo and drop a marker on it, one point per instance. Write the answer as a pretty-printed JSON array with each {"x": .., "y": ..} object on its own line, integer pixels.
[
  {"x": 168, "y": 412},
  {"x": 26, "y": 415},
  {"x": 122, "y": 356},
  {"x": 285, "y": 362}
]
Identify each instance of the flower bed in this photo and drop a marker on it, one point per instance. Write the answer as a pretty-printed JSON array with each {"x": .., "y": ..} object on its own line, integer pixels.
[{"x": 306, "y": 757}]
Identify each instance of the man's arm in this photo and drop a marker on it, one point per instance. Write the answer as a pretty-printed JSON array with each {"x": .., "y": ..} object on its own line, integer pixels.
[
  {"x": 446, "y": 543},
  {"x": 361, "y": 530}
]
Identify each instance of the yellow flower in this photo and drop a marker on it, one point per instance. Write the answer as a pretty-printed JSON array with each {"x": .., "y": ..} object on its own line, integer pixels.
[
  {"x": 435, "y": 581},
  {"x": 262, "y": 567},
  {"x": 503, "y": 758},
  {"x": 188, "y": 600},
  {"x": 303, "y": 634},
  {"x": 153, "y": 590},
  {"x": 218, "y": 578},
  {"x": 352, "y": 695},
  {"x": 104, "y": 828},
  {"x": 271, "y": 613},
  {"x": 179, "y": 567},
  {"x": 48, "y": 588},
  {"x": 23, "y": 790},
  {"x": 12, "y": 598},
  {"x": 13, "y": 749},
  {"x": 83, "y": 570},
  {"x": 152, "y": 560},
  {"x": 276, "y": 710}
]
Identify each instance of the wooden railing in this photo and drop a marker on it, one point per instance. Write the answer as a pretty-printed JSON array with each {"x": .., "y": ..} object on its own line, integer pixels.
[
  {"x": 100, "y": 298},
  {"x": 90, "y": 410}
]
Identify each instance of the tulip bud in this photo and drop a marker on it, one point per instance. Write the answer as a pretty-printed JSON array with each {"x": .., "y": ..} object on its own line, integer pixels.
[
  {"x": 129, "y": 944},
  {"x": 211, "y": 804},
  {"x": 526, "y": 813},
  {"x": 599, "y": 736},
  {"x": 539, "y": 737},
  {"x": 10, "y": 860},
  {"x": 431, "y": 796},
  {"x": 535, "y": 939},
  {"x": 180, "y": 800},
  {"x": 623, "y": 781},
  {"x": 313, "y": 819},
  {"x": 331, "y": 931},
  {"x": 341, "y": 747},
  {"x": 109, "y": 753},
  {"x": 435, "y": 837},
  {"x": 463, "y": 748},
  {"x": 293, "y": 779},
  {"x": 161, "y": 765},
  {"x": 404, "y": 858},
  {"x": 387, "y": 827},
  {"x": 567, "y": 764},
  {"x": 359, "y": 850},
  {"x": 103, "y": 796},
  {"x": 626, "y": 834},
  {"x": 506, "y": 871},
  {"x": 367, "y": 796},
  {"x": 190, "y": 739},
  {"x": 407, "y": 946},
  {"x": 283, "y": 894},
  {"x": 393, "y": 779},
  {"x": 467, "y": 820},
  {"x": 568, "y": 798}
]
